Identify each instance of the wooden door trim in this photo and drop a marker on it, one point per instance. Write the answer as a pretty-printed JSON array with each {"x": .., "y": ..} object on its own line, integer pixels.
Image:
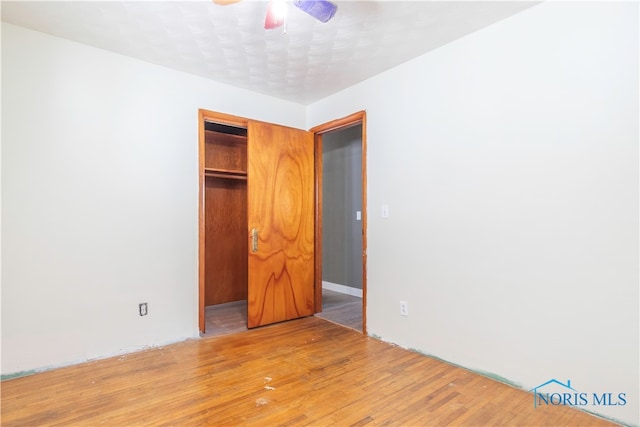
[
  {"x": 360, "y": 118},
  {"x": 344, "y": 122},
  {"x": 213, "y": 117},
  {"x": 318, "y": 222}
]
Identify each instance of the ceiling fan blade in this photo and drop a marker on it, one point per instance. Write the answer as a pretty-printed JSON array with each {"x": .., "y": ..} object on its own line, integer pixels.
[{"x": 322, "y": 10}]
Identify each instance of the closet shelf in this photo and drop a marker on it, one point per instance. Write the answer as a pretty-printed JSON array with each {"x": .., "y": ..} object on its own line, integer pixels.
[{"x": 225, "y": 173}]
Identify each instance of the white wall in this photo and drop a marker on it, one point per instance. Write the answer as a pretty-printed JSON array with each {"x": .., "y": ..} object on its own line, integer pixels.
[
  {"x": 509, "y": 160},
  {"x": 100, "y": 197}
]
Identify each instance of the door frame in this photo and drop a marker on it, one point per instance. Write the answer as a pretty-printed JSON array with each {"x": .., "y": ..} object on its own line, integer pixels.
[{"x": 358, "y": 118}]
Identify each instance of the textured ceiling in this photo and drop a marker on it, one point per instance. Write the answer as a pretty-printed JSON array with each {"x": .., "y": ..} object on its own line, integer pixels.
[{"x": 229, "y": 44}]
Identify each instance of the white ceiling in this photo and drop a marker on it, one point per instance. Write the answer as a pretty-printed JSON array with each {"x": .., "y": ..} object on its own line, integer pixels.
[{"x": 229, "y": 43}]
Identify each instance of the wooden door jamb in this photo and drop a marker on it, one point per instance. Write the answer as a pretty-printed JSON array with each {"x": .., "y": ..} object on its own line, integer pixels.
[{"x": 359, "y": 118}]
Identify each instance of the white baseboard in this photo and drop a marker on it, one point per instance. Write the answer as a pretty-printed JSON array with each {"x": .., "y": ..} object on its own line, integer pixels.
[{"x": 348, "y": 290}]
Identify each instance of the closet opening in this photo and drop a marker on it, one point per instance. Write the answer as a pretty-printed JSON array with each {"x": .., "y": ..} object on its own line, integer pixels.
[{"x": 225, "y": 225}]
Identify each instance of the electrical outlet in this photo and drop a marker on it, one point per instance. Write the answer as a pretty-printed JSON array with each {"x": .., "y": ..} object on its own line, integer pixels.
[
  {"x": 404, "y": 308},
  {"x": 142, "y": 309}
]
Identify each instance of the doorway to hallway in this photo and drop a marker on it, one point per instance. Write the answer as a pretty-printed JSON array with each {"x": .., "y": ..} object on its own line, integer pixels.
[{"x": 341, "y": 235}]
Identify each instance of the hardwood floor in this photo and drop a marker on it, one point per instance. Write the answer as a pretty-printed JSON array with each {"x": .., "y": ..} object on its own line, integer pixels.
[
  {"x": 302, "y": 372},
  {"x": 223, "y": 319},
  {"x": 342, "y": 309}
]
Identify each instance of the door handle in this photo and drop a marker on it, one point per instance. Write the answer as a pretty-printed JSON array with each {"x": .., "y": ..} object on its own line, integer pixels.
[{"x": 254, "y": 239}]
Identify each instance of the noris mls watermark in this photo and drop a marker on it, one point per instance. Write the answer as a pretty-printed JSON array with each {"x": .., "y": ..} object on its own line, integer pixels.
[{"x": 556, "y": 393}]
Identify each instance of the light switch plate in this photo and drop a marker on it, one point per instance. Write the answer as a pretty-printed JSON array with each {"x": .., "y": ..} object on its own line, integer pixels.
[
  {"x": 404, "y": 308},
  {"x": 385, "y": 211}
]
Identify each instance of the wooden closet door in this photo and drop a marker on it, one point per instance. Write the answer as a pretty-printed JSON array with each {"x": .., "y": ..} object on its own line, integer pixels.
[{"x": 280, "y": 210}]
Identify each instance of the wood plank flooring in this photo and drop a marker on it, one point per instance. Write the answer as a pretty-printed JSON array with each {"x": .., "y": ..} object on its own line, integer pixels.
[
  {"x": 228, "y": 318},
  {"x": 343, "y": 309},
  {"x": 302, "y": 372}
]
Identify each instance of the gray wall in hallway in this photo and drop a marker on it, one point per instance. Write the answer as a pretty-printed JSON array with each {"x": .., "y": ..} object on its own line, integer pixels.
[{"x": 341, "y": 198}]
